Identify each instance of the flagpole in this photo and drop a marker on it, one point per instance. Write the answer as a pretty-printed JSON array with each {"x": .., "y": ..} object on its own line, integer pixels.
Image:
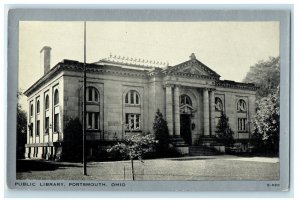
[{"x": 84, "y": 106}]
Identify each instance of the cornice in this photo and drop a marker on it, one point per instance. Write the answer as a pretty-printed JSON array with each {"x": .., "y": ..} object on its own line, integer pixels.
[{"x": 236, "y": 85}]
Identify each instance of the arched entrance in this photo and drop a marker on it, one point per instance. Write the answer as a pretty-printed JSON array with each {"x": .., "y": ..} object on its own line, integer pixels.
[{"x": 186, "y": 110}]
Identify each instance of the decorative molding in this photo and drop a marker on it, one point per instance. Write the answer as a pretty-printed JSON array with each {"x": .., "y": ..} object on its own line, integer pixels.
[
  {"x": 133, "y": 62},
  {"x": 236, "y": 85}
]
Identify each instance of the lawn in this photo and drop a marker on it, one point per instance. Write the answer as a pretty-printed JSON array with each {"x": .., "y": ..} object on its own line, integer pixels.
[{"x": 185, "y": 168}]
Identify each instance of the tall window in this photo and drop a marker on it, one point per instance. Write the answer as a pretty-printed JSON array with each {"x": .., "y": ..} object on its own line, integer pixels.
[
  {"x": 133, "y": 122},
  {"x": 56, "y": 97},
  {"x": 242, "y": 124},
  {"x": 46, "y": 125},
  {"x": 132, "y": 97},
  {"x": 241, "y": 106},
  {"x": 30, "y": 129},
  {"x": 218, "y": 104},
  {"x": 92, "y": 122},
  {"x": 56, "y": 123},
  {"x": 92, "y": 94},
  {"x": 38, "y": 127},
  {"x": 38, "y": 107},
  {"x": 31, "y": 109},
  {"x": 46, "y": 102}
]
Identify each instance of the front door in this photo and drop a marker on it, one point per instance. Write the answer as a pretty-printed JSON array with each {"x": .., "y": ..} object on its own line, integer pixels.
[{"x": 185, "y": 128}]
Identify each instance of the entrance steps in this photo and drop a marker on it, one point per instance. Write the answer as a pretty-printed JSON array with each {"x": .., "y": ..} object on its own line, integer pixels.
[
  {"x": 202, "y": 150},
  {"x": 180, "y": 145},
  {"x": 178, "y": 141}
]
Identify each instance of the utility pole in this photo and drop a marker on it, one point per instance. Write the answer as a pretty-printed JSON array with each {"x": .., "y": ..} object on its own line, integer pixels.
[{"x": 84, "y": 106}]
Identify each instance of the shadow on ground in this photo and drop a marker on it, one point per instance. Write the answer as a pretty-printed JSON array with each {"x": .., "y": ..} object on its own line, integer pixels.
[
  {"x": 41, "y": 165},
  {"x": 190, "y": 159}
]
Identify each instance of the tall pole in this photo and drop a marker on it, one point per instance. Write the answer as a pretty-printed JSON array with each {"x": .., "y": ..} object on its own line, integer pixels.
[{"x": 84, "y": 106}]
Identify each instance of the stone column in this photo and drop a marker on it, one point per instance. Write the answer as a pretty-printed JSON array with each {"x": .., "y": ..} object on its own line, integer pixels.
[
  {"x": 212, "y": 113},
  {"x": 169, "y": 108},
  {"x": 206, "y": 111},
  {"x": 177, "y": 111}
]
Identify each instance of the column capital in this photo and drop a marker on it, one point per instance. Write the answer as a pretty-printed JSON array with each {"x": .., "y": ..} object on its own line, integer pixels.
[
  {"x": 169, "y": 85},
  {"x": 209, "y": 89},
  {"x": 177, "y": 85}
]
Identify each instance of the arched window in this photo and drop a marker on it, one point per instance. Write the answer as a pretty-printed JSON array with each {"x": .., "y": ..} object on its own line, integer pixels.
[
  {"x": 241, "y": 105},
  {"x": 56, "y": 97},
  {"x": 132, "y": 97},
  {"x": 92, "y": 94},
  {"x": 47, "y": 102},
  {"x": 31, "y": 109},
  {"x": 186, "y": 105},
  {"x": 218, "y": 104},
  {"x": 185, "y": 100}
]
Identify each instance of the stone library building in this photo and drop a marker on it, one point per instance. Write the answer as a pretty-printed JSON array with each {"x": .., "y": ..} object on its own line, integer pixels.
[{"x": 123, "y": 95}]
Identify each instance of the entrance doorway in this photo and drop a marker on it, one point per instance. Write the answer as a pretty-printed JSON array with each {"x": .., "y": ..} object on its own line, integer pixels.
[{"x": 185, "y": 128}]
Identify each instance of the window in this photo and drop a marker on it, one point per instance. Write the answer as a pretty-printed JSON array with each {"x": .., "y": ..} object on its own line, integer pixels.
[
  {"x": 56, "y": 97},
  {"x": 46, "y": 125},
  {"x": 92, "y": 122},
  {"x": 132, "y": 97},
  {"x": 31, "y": 109},
  {"x": 242, "y": 124},
  {"x": 47, "y": 102},
  {"x": 218, "y": 104},
  {"x": 241, "y": 106},
  {"x": 38, "y": 127},
  {"x": 92, "y": 94},
  {"x": 185, "y": 100},
  {"x": 56, "y": 123},
  {"x": 30, "y": 127},
  {"x": 133, "y": 122},
  {"x": 185, "y": 104},
  {"x": 38, "y": 107}
]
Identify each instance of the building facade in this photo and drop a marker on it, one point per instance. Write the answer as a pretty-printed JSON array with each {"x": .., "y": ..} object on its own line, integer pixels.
[{"x": 123, "y": 95}]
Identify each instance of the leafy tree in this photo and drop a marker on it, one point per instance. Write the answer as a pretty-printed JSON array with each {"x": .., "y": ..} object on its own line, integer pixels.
[
  {"x": 73, "y": 140},
  {"x": 224, "y": 133},
  {"x": 161, "y": 133},
  {"x": 21, "y": 131},
  {"x": 134, "y": 147},
  {"x": 266, "y": 75},
  {"x": 267, "y": 122}
]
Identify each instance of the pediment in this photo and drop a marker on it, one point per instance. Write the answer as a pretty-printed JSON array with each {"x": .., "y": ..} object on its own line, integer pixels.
[{"x": 193, "y": 67}]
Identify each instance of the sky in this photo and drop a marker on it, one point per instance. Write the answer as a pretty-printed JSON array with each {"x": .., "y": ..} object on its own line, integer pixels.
[{"x": 229, "y": 48}]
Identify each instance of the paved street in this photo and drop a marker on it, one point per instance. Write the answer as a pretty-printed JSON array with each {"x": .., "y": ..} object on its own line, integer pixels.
[{"x": 185, "y": 168}]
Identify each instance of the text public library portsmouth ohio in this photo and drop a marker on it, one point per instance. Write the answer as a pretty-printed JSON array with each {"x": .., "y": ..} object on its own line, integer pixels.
[{"x": 123, "y": 95}]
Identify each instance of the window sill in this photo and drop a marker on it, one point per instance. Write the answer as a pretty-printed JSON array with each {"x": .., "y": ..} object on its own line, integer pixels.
[
  {"x": 132, "y": 105},
  {"x": 92, "y": 102},
  {"x": 92, "y": 130},
  {"x": 134, "y": 131}
]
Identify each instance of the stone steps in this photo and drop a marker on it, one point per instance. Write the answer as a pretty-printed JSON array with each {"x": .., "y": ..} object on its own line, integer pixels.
[
  {"x": 178, "y": 141},
  {"x": 202, "y": 151}
]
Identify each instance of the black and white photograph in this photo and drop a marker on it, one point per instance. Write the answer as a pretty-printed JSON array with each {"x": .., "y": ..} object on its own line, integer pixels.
[{"x": 137, "y": 101}]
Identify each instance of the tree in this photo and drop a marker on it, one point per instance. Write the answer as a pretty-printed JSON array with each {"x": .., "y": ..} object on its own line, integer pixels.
[
  {"x": 224, "y": 133},
  {"x": 266, "y": 75},
  {"x": 134, "y": 147},
  {"x": 21, "y": 129},
  {"x": 73, "y": 140},
  {"x": 267, "y": 122},
  {"x": 161, "y": 133}
]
